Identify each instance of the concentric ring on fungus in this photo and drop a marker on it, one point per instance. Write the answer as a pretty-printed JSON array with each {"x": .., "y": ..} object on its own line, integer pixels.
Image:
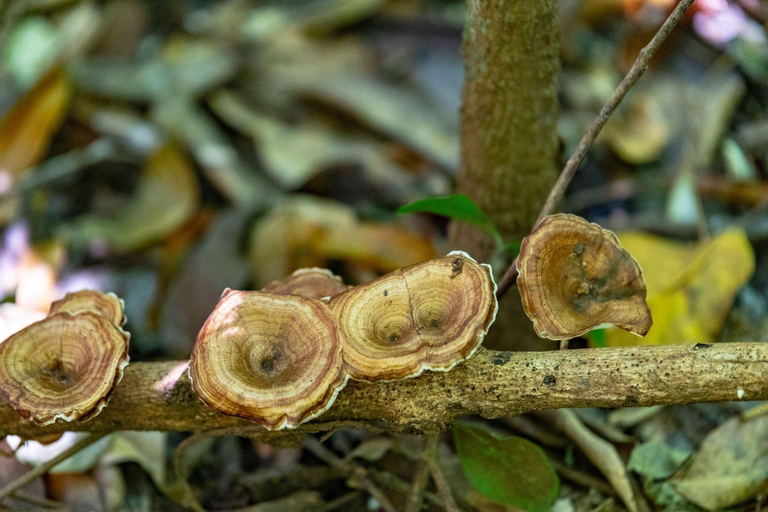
[
  {"x": 315, "y": 283},
  {"x": 428, "y": 316},
  {"x": 63, "y": 367},
  {"x": 271, "y": 359},
  {"x": 574, "y": 276},
  {"x": 108, "y": 305}
]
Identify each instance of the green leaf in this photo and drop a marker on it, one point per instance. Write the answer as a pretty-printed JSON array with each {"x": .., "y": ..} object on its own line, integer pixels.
[
  {"x": 506, "y": 469},
  {"x": 456, "y": 206},
  {"x": 513, "y": 248},
  {"x": 597, "y": 338}
]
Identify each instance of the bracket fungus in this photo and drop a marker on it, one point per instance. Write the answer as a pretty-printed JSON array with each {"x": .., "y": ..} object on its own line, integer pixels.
[
  {"x": 428, "y": 316},
  {"x": 574, "y": 276},
  {"x": 63, "y": 367},
  {"x": 271, "y": 359},
  {"x": 315, "y": 283},
  {"x": 108, "y": 305}
]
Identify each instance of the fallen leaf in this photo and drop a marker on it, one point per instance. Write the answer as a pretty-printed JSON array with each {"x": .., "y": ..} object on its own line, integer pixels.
[
  {"x": 145, "y": 448},
  {"x": 731, "y": 466},
  {"x": 306, "y": 231},
  {"x": 372, "y": 450},
  {"x": 690, "y": 287},
  {"x": 26, "y": 129},
  {"x": 35, "y": 453},
  {"x": 642, "y": 132},
  {"x": 507, "y": 469},
  {"x": 214, "y": 264},
  {"x": 166, "y": 198},
  {"x": 293, "y": 154},
  {"x": 30, "y": 49},
  {"x": 396, "y": 111},
  {"x": 656, "y": 461}
]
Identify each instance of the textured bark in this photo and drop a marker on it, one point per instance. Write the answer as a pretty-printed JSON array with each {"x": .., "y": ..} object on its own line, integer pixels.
[
  {"x": 158, "y": 396},
  {"x": 509, "y": 114}
]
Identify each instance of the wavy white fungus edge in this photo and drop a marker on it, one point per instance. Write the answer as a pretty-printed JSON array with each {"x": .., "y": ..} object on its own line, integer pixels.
[
  {"x": 427, "y": 366},
  {"x": 101, "y": 404},
  {"x": 119, "y": 371},
  {"x": 543, "y": 333},
  {"x": 284, "y": 423},
  {"x": 317, "y": 269}
]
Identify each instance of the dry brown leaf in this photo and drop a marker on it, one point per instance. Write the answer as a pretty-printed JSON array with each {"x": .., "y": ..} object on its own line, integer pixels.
[
  {"x": 730, "y": 467},
  {"x": 26, "y": 129},
  {"x": 308, "y": 232}
]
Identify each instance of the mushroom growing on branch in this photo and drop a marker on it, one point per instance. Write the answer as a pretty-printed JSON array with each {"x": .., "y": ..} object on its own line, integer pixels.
[
  {"x": 428, "y": 316},
  {"x": 108, "y": 305},
  {"x": 63, "y": 367},
  {"x": 272, "y": 359},
  {"x": 315, "y": 283},
  {"x": 574, "y": 276}
]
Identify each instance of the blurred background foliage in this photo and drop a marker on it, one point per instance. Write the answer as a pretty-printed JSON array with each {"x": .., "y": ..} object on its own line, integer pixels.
[{"x": 167, "y": 150}]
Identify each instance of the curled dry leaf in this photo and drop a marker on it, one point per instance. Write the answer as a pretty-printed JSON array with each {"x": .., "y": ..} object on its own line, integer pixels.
[
  {"x": 272, "y": 359},
  {"x": 62, "y": 367},
  {"x": 428, "y": 316},
  {"x": 731, "y": 467},
  {"x": 574, "y": 276},
  {"x": 26, "y": 130},
  {"x": 108, "y": 305},
  {"x": 315, "y": 283},
  {"x": 306, "y": 231}
]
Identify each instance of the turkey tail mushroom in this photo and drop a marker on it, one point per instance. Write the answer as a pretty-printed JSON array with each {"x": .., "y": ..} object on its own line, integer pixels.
[
  {"x": 272, "y": 359},
  {"x": 574, "y": 276},
  {"x": 63, "y": 367},
  {"x": 428, "y": 316}
]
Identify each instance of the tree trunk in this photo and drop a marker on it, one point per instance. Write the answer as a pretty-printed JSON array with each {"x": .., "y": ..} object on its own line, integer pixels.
[{"x": 509, "y": 142}]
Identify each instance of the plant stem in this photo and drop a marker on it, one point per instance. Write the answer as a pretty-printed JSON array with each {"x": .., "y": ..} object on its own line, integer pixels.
[
  {"x": 43, "y": 468},
  {"x": 636, "y": 71}
]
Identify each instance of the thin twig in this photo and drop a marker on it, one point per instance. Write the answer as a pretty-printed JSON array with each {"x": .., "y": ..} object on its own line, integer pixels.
[
  {"x": 178, "y": 466},
  {"x": 356, "y": 472},
  {"x": 634, "y": 74},
  {"x": 443, "y": 489},
  {"x": 420, "y": 479},
  {"x": 43, "y": 468}
]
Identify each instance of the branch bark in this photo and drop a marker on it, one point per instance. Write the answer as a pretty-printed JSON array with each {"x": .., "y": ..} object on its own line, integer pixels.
[{"x": 158, "y": 396}]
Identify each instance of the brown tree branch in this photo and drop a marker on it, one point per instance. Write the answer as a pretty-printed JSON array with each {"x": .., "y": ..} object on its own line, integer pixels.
[
  {"x": 636, "y": 71},
  {"x": 158, "y": 396}
]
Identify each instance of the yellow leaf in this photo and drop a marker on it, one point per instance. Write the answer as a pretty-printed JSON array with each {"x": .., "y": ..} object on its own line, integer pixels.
[
  {"x": 690, "y": 287},
  {"x": 26, "y": 129}
]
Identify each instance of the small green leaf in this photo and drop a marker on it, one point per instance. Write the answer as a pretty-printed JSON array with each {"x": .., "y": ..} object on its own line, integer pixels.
[
  {"x": 506, "y": 469},
  {"x": 597, "y": 338},
  {"x": 456, "y": 206},
  {"x": 513, "y": 248}
]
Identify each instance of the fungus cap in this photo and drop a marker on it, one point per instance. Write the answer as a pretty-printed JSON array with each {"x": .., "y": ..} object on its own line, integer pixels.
[
  {"x": 315, "y": 283},
  {"x": 108, "y": 305},
  {"x": 574, "y": 276},
  {"x": 428, "y": 316},
  {"x": 63, "y": 367},
  {"x": 271, "y": 359}
]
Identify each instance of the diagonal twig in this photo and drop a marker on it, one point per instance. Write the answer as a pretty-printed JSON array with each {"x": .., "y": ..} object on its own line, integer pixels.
[
  {"x": 636, "y": 71},
  {"x": 43, "y": 468}
]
